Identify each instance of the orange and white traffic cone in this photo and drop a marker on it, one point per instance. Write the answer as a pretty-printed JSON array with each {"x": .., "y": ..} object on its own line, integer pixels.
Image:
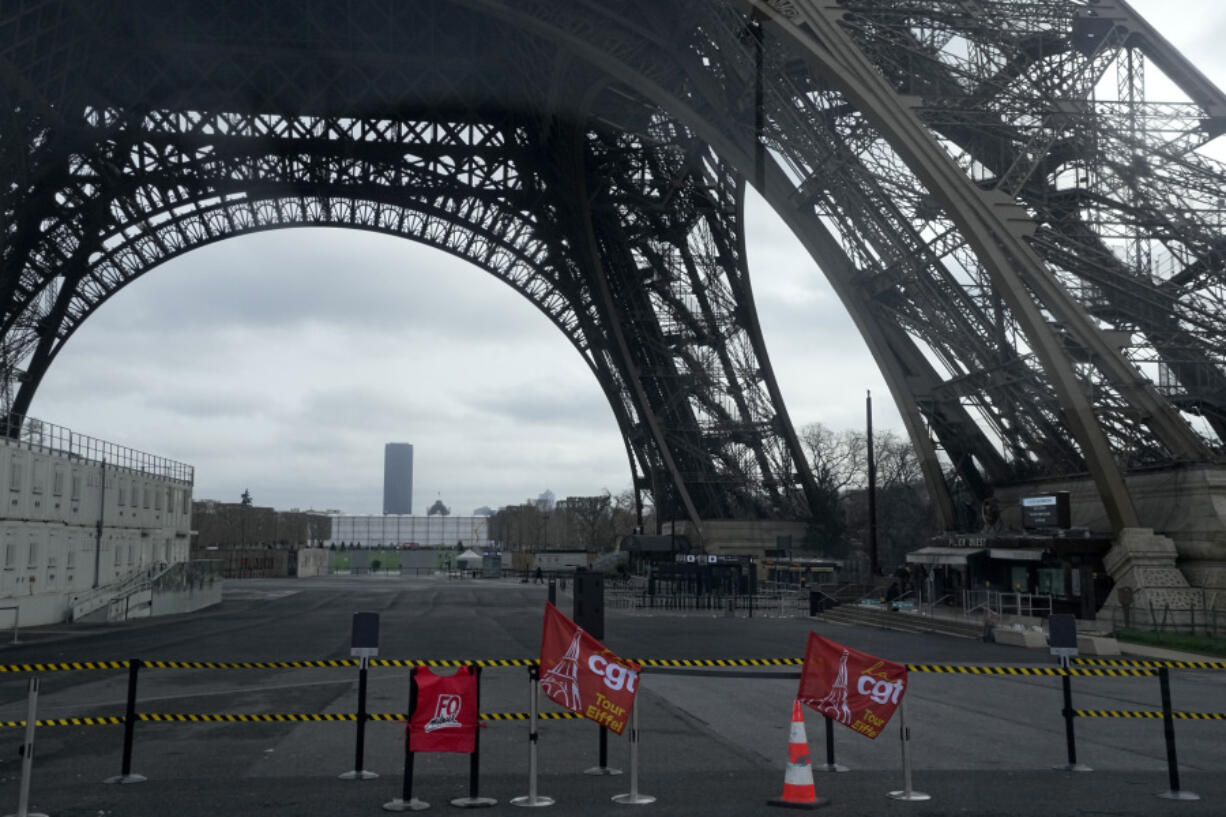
[{"x": 798, "y": 788}]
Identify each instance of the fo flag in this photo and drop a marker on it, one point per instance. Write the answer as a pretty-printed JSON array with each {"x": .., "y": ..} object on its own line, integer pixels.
[
  {"x": 857, "y": 690},
  {"x": 444, "y": 718},
  {"x": 578, "y": 673}
]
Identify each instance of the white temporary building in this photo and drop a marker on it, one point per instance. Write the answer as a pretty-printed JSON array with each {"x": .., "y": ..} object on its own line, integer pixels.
[{"x": 469, "y": 560}]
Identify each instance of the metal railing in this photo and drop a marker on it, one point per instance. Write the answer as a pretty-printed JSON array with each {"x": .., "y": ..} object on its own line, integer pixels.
[
  {"x": 1193, "y": 620},
  {"x": 779, "y": 603},
  {"x": 994, "y": 602},
  {"x": 1025, "y": 604},
  {"x": 928, "y": 608},
  {"x": 38, "y": 435}
]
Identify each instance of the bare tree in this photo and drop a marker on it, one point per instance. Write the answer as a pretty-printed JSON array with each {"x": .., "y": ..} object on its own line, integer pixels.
[
  {"x": 587, "y": 516},
  {"x": 838, "y": 458},
  {"x": 904, "y": 516},
  {"x": 896, "y": 460}
]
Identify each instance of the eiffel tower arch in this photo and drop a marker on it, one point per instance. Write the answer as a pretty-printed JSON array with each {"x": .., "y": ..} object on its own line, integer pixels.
[{"x": 1030, "y": 246}]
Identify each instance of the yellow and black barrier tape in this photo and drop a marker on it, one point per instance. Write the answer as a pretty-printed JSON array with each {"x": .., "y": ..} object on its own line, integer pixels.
[
  {"x": 336, "y": 663},
  {"x": 966, "y": 669},
  {"x": 487, "y": 663},
  {"x": 1149, "y": 713},
  {"x": 400, "y": 717},
  {"x": 255, "y": 717},
  {"x": 1148, "y": 663},
  {"x": 64, "y": 666},
  {"x": 93, "y": 720},
  {"x": 718, "y": 662},
  {"x": 1097, "y": 667}
]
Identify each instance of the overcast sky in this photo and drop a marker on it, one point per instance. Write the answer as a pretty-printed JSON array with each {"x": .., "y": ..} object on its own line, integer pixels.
[{"x": 282, "y": 362}]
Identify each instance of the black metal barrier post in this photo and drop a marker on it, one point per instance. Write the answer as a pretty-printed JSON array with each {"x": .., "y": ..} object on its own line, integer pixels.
[
  {"x": 406, "y": 801},
  {"x": 129, "y": 729},
  {"x": 359, "y": 749},
  {"x": 1070, "y": 737},
  {"x": 1168, "y": 728},
  {"x": 830, "y": 765},
  {"x": 603, "y": 767},
  {"x": 474, "y": 800},
  {"x": 553, "y": 591}
]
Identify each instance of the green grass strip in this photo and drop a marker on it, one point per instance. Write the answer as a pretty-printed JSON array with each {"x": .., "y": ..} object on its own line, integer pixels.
[{"x": 1204, "y": 644}]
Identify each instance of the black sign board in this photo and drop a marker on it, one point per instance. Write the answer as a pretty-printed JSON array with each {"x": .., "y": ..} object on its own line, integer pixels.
[
  {"x": 365, "y": 640},
  {"x": 1046, "y": 511},
  {"x": 589, "y": 602},
  {"x": 1062, "y": 634}
]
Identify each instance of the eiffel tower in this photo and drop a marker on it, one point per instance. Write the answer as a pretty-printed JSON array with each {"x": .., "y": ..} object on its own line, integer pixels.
[
  {"x": 834, "y": 705},
  {"x": 561, "y": 681},
  {"x": 1028, "y": 236}
]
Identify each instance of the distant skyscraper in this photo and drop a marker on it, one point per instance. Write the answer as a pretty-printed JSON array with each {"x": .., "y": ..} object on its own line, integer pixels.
[{"x": 398, "y": 478}]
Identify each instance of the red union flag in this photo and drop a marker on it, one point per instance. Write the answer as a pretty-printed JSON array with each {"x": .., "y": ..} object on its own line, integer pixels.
[
  {"x": 444, "y": 718},
  {"x": 579, "y": 674},
  {"x": 854, "y": 688}
]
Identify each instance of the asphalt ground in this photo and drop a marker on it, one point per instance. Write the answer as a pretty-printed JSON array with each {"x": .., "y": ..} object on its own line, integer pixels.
[{"x": 710, "y": 745}]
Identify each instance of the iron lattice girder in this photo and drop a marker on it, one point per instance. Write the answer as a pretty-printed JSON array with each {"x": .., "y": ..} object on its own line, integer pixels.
[
  {"x": 813, "y": 159},
  {"x": 1004, "y": 88},
  {"x": 683, "y": 329},
  {"x": 981, "y": 125},
  {"x": 1102, "y": 123},
  {"x": 896, "y": 243},
  {"x": 178, "y": 180}
]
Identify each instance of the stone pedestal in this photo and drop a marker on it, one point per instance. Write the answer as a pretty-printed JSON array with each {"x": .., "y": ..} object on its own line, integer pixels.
[
  {"x": 1143, "y": 566},
  {"x": 1185, "y": 505}
]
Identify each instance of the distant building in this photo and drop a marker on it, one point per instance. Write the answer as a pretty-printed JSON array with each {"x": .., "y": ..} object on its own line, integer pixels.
[
  {"x": 409, "y": 531},
  {"x": 232, "y": 525},
  {"x": 398, "y": 478},
  {"x": 85, "y": 521}
]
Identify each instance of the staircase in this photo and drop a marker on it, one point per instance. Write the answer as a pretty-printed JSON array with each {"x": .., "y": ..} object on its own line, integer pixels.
[
  {"x": 904, "y": 621},
  {"x": 96, "y": 605}
]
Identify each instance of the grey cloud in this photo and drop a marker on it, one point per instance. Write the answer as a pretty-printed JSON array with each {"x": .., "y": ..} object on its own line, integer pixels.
[
  {"x": 538, "y": 404},
  {"x": 325, "y": 277},
  {"x": 210, "y": 403}
]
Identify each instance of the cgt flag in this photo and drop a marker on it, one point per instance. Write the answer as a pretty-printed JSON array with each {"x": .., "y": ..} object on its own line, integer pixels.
[
  {"x": 444, "y": 718},
  {"x": 854, "y": 688},
  {"x": 578, "y": 673}
]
